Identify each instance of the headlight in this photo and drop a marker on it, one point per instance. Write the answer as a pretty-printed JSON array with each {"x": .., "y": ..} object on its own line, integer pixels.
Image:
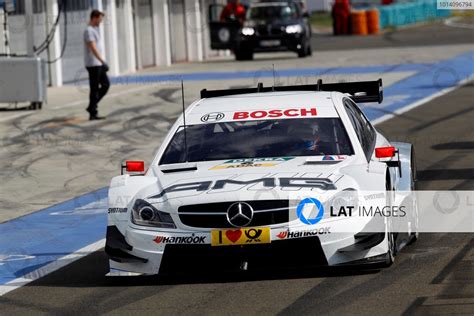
[
  {"x": 344, "y": 199},
  {"x": 248, "y": 31},
  {"x": 292, "y": 29},
  {"x": 143, "y": 213}
]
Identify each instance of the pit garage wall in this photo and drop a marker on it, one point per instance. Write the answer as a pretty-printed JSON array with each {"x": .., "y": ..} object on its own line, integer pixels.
[{"x": 137, "y": 34}]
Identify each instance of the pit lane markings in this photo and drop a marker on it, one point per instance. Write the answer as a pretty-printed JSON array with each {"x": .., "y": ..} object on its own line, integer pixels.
[{"x": 51, "y": 267}]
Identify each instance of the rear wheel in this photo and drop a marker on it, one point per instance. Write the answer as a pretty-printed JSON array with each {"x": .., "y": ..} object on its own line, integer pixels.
[{"x": 415, "y": 234}]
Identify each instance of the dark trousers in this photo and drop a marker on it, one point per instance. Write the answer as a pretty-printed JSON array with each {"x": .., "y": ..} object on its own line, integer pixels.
[{"x": 99, "y": 85}]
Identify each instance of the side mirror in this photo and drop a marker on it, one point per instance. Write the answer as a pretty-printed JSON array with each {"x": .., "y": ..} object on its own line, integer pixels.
[
  {"x": 306, "y": 15},
  {"x": 385, "y": 152},
  {"x": 387, "y": 155},
  {"x": 133, "y": 167}
]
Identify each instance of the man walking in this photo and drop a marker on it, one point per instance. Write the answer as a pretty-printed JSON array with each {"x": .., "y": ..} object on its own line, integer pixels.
[{"x": 95, "y": 64}]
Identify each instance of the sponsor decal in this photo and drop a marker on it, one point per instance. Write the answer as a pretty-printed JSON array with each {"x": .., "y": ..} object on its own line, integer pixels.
[
  {"x": 270, "y": 159},
  {"x": 337, "y": 157},
  {"x": 314, "y": 205},
  {"x": 302, "y": 112},
  {"x": 305, "y": 233},
  {"x": 116, "y": 210},
  {"x": 251, "y": 163},
  {"x": 180, "y": 239},
  {"x": 243, "y": 165},
  {"x": 242, "y": 236},
  {"x": 212, "y": 117},
  {"x": 322, "y": 183}
]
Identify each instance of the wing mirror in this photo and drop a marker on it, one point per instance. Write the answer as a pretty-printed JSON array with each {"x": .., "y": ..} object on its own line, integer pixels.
[
  {"x": 389, "y": 155},
  {"x": 133, "y": 166}
]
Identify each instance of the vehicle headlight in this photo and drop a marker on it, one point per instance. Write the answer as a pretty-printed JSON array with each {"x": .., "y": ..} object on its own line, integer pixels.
[
  {"x": 145, "y": 214},
  {"x": 346, "y": 198},
  {"x": 248, "y": 31},
  {"x": 292, "y": 29}
]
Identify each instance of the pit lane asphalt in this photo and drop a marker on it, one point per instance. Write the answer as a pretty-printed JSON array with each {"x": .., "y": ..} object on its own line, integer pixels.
[{"x": 435, "y": 275}]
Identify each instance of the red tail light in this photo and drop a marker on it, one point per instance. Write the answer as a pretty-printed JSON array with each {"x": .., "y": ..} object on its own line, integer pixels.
[
  {"x": 385, "y": 152},
  {"x": 135, "y": 166}
]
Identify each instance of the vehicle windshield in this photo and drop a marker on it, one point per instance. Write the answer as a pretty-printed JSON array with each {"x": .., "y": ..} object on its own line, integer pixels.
[
  {"x": 259, "y": 139},
  {"x": 282, "y": 12}
]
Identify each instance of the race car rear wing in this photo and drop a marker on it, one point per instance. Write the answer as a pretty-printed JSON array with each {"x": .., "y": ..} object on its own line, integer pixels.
[{"x": 359, "y": 91}]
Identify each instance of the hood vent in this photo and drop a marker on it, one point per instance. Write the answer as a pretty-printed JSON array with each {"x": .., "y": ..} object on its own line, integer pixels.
[{"x": 178, "y": 167}]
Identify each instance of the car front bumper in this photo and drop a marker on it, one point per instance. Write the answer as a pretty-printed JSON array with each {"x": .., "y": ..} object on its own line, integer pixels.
[
  {"x": 285, "y": 42},
  {"x": 158, "y": 252}
]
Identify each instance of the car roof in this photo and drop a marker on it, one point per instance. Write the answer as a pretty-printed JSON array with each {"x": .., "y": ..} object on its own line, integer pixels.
[{"x": 320, "y": 100}]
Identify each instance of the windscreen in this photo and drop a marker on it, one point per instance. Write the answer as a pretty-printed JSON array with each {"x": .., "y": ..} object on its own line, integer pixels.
[
  {"x": 272, "y": 12},
  {"x": 258, "y": 139}
]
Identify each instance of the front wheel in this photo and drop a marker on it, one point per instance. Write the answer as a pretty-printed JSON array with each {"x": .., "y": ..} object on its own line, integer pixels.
[
  {"x": 392, "y": 249},
  {"x": 305, "y": 49},
  {"x": 303, "y": 52},
  {"x": 391, "y": 237}
]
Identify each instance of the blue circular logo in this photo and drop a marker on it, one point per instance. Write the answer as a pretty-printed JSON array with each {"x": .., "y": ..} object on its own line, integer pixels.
[{"x": 310, "y": 221}]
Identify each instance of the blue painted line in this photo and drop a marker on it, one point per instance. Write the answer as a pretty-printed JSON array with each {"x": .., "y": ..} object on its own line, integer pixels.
[
  {"x": 445, "y": 74},
  {"x": 266, "y": 73},
  {"x": 31, "y": 242}
]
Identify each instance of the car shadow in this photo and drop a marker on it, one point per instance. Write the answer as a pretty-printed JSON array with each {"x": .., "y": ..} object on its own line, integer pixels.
[
  {"x": 257, "y": 58},
  {"x": 90, "y": 271}
]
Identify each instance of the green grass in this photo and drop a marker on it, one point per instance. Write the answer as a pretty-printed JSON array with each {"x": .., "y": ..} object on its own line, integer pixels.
[
  {"x": 321, "y": 19},
  {"x": 463, "y": 13}
]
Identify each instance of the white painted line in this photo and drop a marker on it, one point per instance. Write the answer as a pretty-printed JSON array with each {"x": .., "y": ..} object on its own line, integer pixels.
[
  {"x": 14, "y": 116},
  {"x": 51, "y": 267},
  {"x": 409, "y": 107},
  {"x": 434, "y": 301},
  {"x": 453, "y": 22}
]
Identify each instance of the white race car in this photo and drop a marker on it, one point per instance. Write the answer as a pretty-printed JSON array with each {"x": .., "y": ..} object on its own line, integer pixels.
[{"x": 219, "y": 192}]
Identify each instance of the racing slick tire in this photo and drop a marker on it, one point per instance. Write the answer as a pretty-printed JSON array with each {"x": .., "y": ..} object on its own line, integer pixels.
[
  {"x": 391, "y": 237},
  {"x": 392, "y": 249},
  {"x": 415, "y": 235}
]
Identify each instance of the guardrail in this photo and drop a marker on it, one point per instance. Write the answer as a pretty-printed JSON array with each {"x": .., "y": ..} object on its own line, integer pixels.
[{"x": 401, "y": 14}]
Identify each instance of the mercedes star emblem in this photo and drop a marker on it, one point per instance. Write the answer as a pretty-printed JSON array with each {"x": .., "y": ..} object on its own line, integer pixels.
[{"x": 239, "y": 214}]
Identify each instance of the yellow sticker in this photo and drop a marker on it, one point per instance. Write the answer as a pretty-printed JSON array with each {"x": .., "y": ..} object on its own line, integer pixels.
[{"x": 240, "y": 236}]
